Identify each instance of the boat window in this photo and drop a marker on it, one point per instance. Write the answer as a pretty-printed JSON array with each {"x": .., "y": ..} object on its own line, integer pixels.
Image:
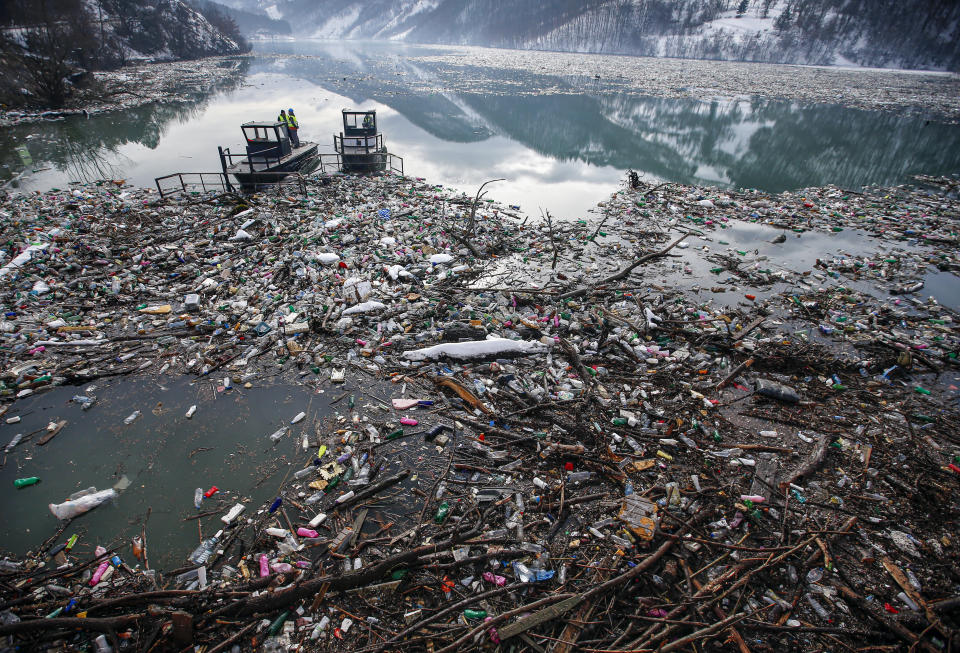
[{"x": 259, "y": 134}]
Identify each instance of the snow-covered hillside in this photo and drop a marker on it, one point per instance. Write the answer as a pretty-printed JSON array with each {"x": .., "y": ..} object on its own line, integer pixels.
[{"x": 889, "y": 33}]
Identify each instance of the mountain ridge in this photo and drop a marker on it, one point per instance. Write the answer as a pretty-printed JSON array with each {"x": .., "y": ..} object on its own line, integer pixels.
[{"x": 924, "y": 34}]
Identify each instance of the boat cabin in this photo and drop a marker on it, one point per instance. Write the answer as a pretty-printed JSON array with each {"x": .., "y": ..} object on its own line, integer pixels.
[
  {"x": 268, "y": 140},
  {"x": 269, "y": 156},
  {"x": 360, "y": 145},
  {"x": 359, "y": 135}
]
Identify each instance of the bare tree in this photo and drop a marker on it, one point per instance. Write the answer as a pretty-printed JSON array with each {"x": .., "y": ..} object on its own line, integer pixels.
[{"x": 53, "y": 44}]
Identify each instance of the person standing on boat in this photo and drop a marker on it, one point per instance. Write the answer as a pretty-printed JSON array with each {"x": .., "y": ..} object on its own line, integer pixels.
[
  {"x": 292, "y": 126},
  {"x": 282, "y": 118}
]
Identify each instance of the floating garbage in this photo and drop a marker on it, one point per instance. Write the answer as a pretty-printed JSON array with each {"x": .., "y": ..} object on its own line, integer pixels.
[
  {"x": 74, "y": 508},
  {"x": 512, "y": 448}
]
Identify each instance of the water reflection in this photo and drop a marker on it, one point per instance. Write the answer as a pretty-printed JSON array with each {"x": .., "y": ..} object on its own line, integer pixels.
[
  {"x": 564, "y": 142},
  {"x": 758, "y": 143},
  {"x": 86, "y": 149}
]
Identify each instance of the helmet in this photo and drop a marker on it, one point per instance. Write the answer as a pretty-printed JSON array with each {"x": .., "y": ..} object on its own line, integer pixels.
[{"x": 290, "y": 110}]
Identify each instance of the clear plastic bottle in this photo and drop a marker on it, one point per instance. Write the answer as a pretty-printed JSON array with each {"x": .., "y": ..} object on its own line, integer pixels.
[{"x": 203, "y": 552}]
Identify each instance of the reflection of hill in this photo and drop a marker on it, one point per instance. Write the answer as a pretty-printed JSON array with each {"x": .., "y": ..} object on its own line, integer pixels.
[
  {"x": 762, "y": 144},
  {"x": 346, "y": 70},
  {"x": 82, "y": 147}
]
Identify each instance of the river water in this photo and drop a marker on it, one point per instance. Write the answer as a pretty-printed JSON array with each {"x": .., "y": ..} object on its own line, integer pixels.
[{"x": 562, "y": 144}]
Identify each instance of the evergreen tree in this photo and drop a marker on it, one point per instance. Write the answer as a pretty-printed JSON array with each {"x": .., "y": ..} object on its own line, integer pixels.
[{"x": 783, "y": 20}]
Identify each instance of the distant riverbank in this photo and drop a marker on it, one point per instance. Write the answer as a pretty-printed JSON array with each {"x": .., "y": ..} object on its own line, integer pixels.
[{"x": 139, "y": 84}]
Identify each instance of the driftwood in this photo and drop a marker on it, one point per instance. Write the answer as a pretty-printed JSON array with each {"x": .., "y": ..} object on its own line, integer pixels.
[
  {"x": 625, "y": 272},
  {"x": 539, "y": 617},
  {"x": 104, "y": 625},
  {"x": 52, "y": 433},
  {"x": 735, "y": 373},
  {"x": 811, "y": 464},
  {"x": 372, "y": 490},
  {"x": 276, "y": 600}
]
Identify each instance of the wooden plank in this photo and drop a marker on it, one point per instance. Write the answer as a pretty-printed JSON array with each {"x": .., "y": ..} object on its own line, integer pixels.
[
  {"x": 52, "y": 433},
  {"x": 537, "y": 618}
]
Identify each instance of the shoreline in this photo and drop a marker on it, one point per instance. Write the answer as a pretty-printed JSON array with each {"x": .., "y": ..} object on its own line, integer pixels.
[{"x": 167, "y": 82}]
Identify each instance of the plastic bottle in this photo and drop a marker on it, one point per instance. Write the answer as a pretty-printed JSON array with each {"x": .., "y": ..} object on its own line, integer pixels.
[
  {"x": 233, "y": 513},
  {"x": 306, "y": 532},
  {"x": 540, "y": 483},
  {"x": 198, "y": 497},
  {"x": 101, "y": 642},
  {"x": 819, "y": 609},
  {"x": 203, "y": 552},
  {"x": 579, "y": 477},
  {"x": 191, "y": 411},
  {"x": 316, "y": 521},
  {"x": 25, "y": 482},
  {"x": 275, "y": 505},
  {"x": 213, "y": 490},
  {"x": 474, "y": 614},
  {"x": 441, "y": 489},
  {"x": 101, "y": 569},
  {"x": 346, "y": 496},
  {"x": 131, "y": 417},
  {"x": 908, "y": 601},
  {"x": 264, "y": 565},
  {"x": 14, "y": 442},
  {"x": 442, "y": 512}
]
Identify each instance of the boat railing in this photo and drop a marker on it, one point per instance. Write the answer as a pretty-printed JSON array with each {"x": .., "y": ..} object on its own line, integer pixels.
[
  {"x": 378, "y": 161},
  {"x": 266, "y": 157},
  {"x": 192, "y": 182},
  {"x": 358, "y": 144},
  {"x": 199, "y": 183}
]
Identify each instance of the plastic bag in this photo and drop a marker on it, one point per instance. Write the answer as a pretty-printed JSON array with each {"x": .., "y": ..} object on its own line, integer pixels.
[{"x": 70, "y": 509}]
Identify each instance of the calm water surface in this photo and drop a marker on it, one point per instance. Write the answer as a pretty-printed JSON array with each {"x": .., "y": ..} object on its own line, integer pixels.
[
  {"x": 166, "y": 456},
  {"x": 561, "y": 143}
]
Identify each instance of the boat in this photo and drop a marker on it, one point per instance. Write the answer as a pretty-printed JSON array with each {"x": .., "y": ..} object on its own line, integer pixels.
[
  {"x": 269, "y": 155},
  {"x": 360, "y": 146}
]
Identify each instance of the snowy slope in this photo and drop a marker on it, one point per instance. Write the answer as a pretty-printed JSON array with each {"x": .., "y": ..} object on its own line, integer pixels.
[
  {"x": 889, "y": 33},
  {"x": 160, "y": 29}
]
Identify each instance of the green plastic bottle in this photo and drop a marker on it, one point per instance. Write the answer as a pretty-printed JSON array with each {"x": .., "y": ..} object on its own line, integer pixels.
[
  {"x": 442, "y": 512},
  {"x": 474, "y": 614},
  {"x": 24, "y": 482},
  {"x": 278, "y": 623}
]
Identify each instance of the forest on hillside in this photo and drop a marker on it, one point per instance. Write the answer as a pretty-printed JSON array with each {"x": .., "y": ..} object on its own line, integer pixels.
[{"x": 48, "y": 47}]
